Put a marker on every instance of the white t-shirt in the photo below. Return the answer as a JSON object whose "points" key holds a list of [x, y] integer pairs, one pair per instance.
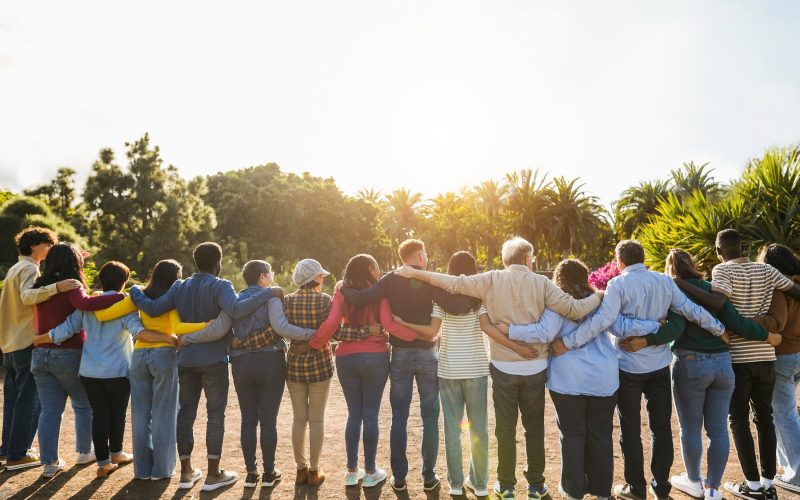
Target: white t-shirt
{"points": [[462, 346]]}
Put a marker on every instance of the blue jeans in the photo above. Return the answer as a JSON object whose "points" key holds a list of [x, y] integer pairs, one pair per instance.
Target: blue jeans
{"points": [[259, 379], [405, 366], [702, 384], [154, 402], [363, 378], [56, 374], [213, 380], [456, 394], [20, 404], [787, 421]]}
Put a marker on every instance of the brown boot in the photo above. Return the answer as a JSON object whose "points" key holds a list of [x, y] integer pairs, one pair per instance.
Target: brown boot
{"points": [[302, 476], [315, 478]]}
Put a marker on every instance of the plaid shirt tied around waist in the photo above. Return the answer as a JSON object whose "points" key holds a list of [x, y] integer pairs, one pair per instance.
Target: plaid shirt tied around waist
{"points": [[307, 308], [258, 340]]}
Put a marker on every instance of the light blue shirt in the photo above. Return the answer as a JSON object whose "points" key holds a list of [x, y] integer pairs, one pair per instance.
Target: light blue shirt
{"points": [[108, 346], [590, 370], [643, 294]]}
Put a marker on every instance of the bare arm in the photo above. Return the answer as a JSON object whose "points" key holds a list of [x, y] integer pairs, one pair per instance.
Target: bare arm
{"points": [[524, 350]]}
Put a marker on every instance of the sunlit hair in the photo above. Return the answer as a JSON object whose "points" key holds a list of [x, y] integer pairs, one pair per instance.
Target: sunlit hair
{"points": [[629, 252], [113, 275], [464, 263], [63, 262], [516, 250], [680, 264], [781, 258], [164, 274], [572, 276], [253, 270], [357, 274], [409, 248], [32, 236]]}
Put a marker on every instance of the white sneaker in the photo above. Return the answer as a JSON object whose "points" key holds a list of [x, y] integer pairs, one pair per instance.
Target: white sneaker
{"points": [[352, 478], [456, 492], [374, 479], [475, 491], [51, 470], [187, 480], [712, 494], [225, 478], [86, 458], [564, 494], [692, 488]]}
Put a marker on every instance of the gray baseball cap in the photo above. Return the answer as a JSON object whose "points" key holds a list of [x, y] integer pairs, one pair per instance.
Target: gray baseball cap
{"points": [[306, 270]]}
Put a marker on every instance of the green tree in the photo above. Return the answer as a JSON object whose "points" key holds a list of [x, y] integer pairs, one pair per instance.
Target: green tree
{"points": [[637, 205], [403, 217], [690, 178], [24, 211], [59, 193], [492, 195], [529, 195], [146, 212]]}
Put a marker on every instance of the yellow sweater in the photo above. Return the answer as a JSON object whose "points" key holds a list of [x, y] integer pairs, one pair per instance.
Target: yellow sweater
{"points": [[167, 323]]}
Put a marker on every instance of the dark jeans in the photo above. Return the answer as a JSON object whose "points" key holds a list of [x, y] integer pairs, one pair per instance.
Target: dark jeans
{"points": [[213, 380], [20, 404], [109, 400], [363, 378], [259, 379], [753, 389], [587, 450], [657, 390], [514, 395], [407, 365]]}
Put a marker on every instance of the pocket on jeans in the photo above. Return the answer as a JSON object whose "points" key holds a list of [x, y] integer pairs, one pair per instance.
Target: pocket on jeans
{"points": [[692, 366]]}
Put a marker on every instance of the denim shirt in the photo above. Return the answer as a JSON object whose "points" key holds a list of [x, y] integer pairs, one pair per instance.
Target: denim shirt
{"points": [[108, 345], [643, 294], [198, 299], [590, 370]]}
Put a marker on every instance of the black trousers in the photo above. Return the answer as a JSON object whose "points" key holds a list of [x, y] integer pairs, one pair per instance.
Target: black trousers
{"points": [[657, 391], [514, 395], [109, 400], [753, 389], [587, 450]]}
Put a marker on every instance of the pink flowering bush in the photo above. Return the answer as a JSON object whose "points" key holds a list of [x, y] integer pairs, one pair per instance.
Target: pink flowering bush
{"points": [[600, 277]]}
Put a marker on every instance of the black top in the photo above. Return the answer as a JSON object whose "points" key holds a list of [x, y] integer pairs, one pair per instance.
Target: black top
{"points": [[412, 300]]}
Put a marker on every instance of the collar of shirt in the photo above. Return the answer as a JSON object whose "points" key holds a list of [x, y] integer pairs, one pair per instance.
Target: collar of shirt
{"points": [[202, 275], [634, 268], [740, 260], [254, 288], [518, 267], [28, 258]]}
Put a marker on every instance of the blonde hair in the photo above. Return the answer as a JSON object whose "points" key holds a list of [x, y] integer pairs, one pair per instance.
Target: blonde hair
{"points": [[679, 264]]}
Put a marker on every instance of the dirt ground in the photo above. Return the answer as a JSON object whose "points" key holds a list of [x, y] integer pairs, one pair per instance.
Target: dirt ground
{"points": [[80, 482]]}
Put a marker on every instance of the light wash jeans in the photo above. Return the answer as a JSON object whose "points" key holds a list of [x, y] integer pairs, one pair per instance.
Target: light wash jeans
{"points": [[456, 394], [787, 421], [405, 366], [702, 385], [56, 375], [154, 410]]}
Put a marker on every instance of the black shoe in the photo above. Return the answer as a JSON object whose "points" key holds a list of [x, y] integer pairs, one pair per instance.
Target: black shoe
{"points": [[741, 490], [251, 481], [770, 493], [625, 491], [432, 484], [268, 480], [397, 485]]}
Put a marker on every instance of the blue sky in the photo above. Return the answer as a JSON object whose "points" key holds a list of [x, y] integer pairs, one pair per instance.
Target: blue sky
{"points": [[430, 95]]}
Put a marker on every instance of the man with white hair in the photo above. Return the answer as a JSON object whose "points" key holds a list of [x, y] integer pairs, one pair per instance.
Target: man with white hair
{"points": [[515, 295]]}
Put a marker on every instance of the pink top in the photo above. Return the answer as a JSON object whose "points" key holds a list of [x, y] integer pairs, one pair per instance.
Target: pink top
{"points": [[373, 343]]}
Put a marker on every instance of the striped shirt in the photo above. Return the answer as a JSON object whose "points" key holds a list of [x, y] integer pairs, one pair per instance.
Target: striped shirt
{"points": [[749, 285], [462, 348]]}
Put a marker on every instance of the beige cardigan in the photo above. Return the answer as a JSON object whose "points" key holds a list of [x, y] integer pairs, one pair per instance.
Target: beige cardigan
{"points": [[516, 295]]}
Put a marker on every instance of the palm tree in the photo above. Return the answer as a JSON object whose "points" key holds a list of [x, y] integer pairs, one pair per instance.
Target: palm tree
{"points": [[492, 195], [403, 214], [574, 217], [690, 178], [637, 205], [372, 196], [526, 205]]}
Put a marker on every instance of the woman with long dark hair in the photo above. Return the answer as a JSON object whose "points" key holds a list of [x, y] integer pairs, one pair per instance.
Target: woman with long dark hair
{"points": [[154, 377], [362, 363], [787, 372], [55, 366]]}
